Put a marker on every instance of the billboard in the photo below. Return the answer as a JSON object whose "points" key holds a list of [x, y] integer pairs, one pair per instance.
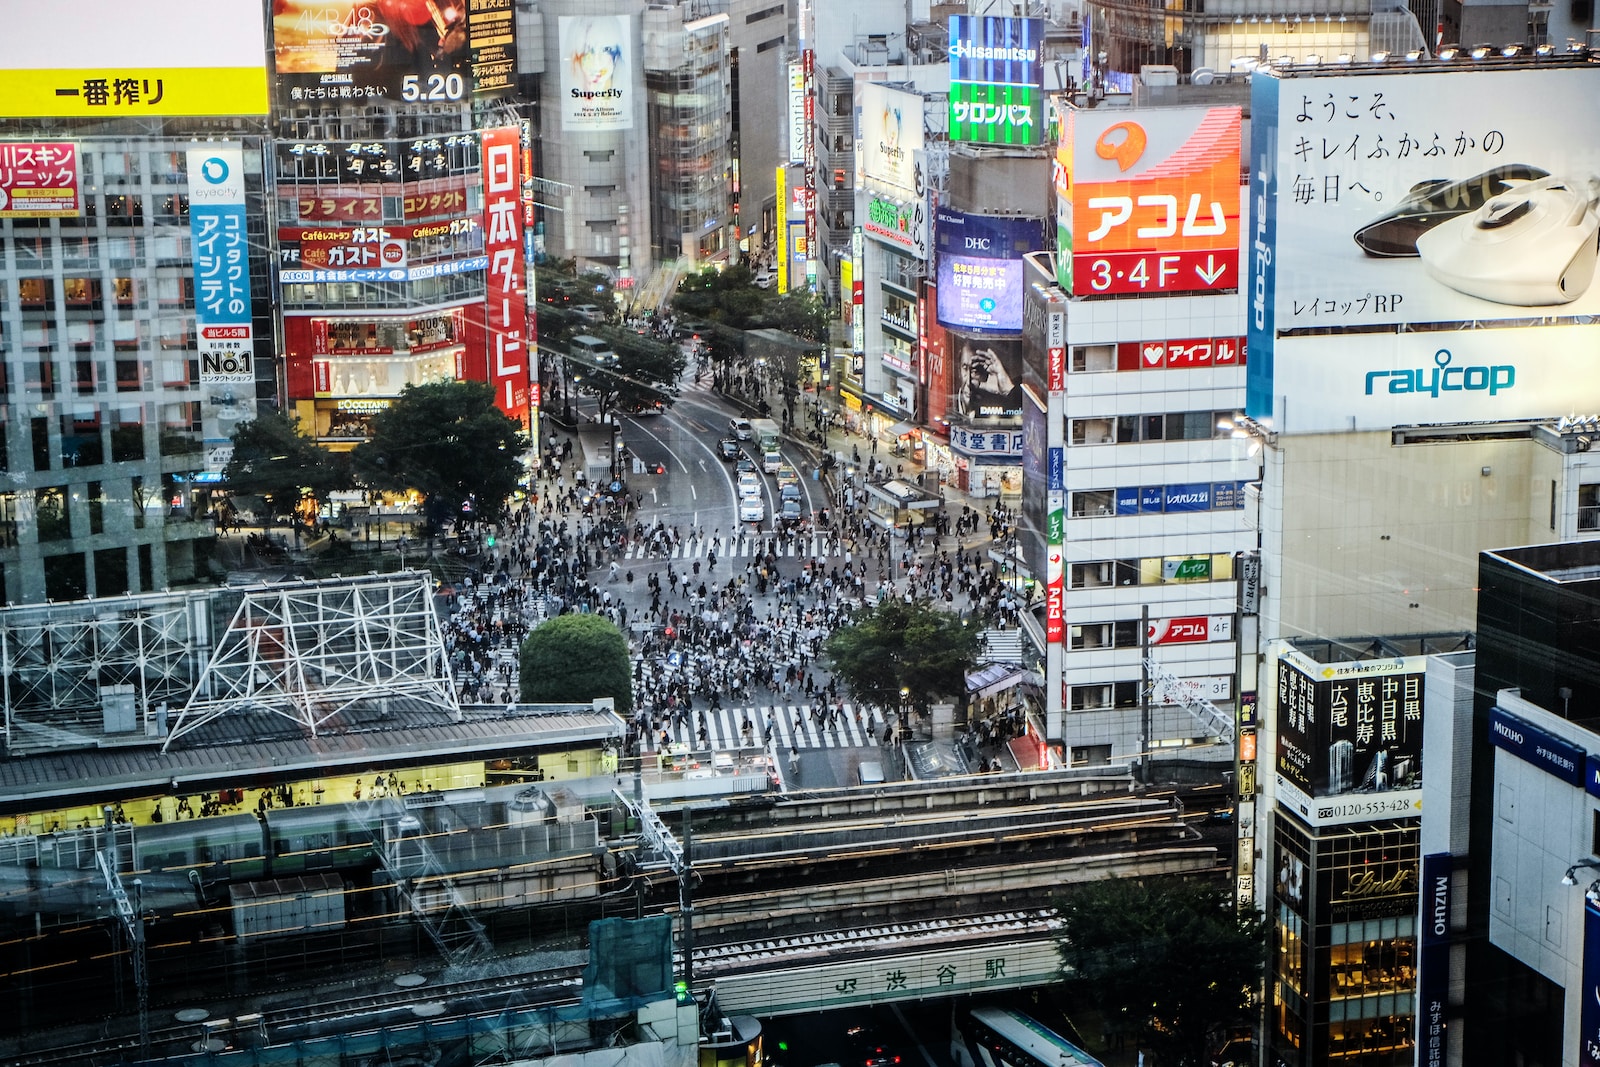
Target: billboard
{"points": [[996, 80], [1190, 629], [596, 72], [221, 264], [1326, 383], [1148, 205], [1352, 727], [39, 180], [891, 133], [1433, 199], [980, 272], [416, 51], [492, 36], [902, 223], [988, 378], [1182, 354], [507, 294], [112, 59]]}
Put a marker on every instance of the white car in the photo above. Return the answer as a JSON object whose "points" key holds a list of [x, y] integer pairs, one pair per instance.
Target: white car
{"points": [[739, 428], [749, 484], [751, 509]]}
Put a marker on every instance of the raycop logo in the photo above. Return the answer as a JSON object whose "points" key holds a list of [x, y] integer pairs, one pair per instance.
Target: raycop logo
{"points": [[1263, 255], [214, 170], [972, 50], [1444, 378]]}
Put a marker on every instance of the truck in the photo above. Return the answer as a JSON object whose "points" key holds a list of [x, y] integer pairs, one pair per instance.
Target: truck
{"points": [[765, 434]]}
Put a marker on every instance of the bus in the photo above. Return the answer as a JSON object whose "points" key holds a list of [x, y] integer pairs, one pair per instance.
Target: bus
{"points": [[1000, 1037], [765, 432]]}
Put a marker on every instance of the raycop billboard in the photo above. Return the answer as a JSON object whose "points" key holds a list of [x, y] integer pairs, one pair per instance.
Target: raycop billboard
{"points": [[980, 273], [1444, 219], [996, 80], [1148, 203]]}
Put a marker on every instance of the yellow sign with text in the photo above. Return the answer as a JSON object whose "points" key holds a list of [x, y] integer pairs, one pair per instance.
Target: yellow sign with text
{"points": [[134, 92]]}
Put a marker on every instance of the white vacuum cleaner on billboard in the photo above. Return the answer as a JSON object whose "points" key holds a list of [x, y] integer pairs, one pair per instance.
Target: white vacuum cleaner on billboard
{"points": [[1515, 235]]}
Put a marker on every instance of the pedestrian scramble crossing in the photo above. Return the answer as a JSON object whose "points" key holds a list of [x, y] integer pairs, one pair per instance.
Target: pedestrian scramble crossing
{"points": [[792, 727], [727, 546]]}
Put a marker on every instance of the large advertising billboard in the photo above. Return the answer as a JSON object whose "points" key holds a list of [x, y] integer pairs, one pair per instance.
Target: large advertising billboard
{"points": [[1149, 204], [1434, 201], [507, 293], [596, 72], [980, 271], [492, 36], [415, 51], [902, 223], [891, 132], [39, 180], [996, 80], [115, 59], [1352, 727], [988, 376], [221, 264]]}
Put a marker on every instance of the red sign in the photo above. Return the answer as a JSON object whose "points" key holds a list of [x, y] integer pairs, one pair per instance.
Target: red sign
{"points": [[360, 246], [1053, 627], [364, 204], [1058, 370], [1191, 629], [1181, 355], [39, 181], [502, 243], [1159, 221]]}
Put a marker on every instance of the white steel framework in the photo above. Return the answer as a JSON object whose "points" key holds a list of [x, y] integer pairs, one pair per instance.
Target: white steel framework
{"points": [[310, 650]]}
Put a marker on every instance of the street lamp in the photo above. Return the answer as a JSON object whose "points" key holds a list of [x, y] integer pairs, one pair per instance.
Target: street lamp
{"points": [[1570, 878]]}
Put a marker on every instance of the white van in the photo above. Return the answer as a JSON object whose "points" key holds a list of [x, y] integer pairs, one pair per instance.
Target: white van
{"points": [[870, 772]]}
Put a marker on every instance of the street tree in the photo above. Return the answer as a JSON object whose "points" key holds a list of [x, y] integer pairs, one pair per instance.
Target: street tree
{"points": [[447, 441], [572, 659], [275, 459], [646, 371], [1174, 959], [916, 650]]}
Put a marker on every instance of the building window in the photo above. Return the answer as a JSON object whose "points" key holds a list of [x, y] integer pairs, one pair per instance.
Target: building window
{"points": [[1124, 633], [1103, 696], [1105, 573], [1091, 755], [1093, 502], [51, 514], [1093, 359], [1588, 507]]}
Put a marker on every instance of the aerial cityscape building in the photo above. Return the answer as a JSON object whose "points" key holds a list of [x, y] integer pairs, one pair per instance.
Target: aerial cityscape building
{"points": [[1223, 375]]}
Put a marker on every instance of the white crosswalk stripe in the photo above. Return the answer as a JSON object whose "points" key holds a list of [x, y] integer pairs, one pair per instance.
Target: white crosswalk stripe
{"points": [[792, 727], [742, 547]]}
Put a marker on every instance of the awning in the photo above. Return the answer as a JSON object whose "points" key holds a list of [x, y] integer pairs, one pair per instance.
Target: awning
{"points": [[902, 429]]}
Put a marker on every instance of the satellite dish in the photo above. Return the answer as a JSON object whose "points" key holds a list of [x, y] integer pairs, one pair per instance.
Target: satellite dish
{"points": [[1203, 76]]}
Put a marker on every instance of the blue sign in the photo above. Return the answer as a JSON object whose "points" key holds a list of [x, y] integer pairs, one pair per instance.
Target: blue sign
{"points": [[1226, 496], [1150, 499], [1195, 497], [1260, 241], [1127, 501], [996, 50], [1539, 747], [674, 659], [1433, 962], [219, 238], [1058, 468], [1589, 1014], [1591, 784]]}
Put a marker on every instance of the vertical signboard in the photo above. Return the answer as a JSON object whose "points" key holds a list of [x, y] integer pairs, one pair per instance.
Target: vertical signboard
{"points": [[996, 80], [502, 243], [1589, 1014], [596, 72], [221, 264], [1433, 962], [809, 60], [782, 259], [39, 180], [1148, 205], [798, 130]]}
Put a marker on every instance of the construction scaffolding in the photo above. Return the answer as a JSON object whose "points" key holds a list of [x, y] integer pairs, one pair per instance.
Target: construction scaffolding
{"points": [[310, 650]]}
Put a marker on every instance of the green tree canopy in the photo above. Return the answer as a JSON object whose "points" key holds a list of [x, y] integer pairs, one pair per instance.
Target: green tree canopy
{"points": [[895, 645], [450, 443], [273, 458], [646, 371], [573, 659], [1173, 957]]}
